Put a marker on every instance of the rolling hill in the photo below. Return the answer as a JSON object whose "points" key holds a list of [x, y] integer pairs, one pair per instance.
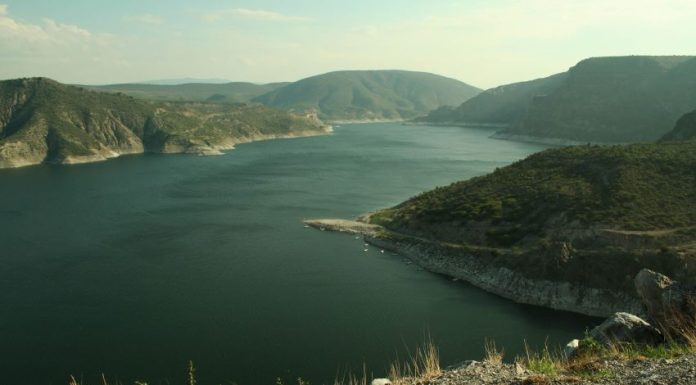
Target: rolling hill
{"points": [[505, 105], [599, 100], [235, 92], [369, 95], [44, 121]]}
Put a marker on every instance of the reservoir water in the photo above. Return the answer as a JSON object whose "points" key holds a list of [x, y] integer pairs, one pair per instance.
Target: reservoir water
{"points": [[134, 266]]}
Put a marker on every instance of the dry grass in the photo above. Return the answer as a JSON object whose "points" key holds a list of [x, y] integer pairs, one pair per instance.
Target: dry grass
{"points": [[493, 355], [679, 324], [191, 373], [424, 364], [352, 379]]}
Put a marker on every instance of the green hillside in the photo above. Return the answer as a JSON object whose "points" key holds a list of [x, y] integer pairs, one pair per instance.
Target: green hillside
{"points": [[600, 100], [504, 105], [370, 95], [684, 130], [621, 99], [589, 214], [44, 121], [235, 92]]}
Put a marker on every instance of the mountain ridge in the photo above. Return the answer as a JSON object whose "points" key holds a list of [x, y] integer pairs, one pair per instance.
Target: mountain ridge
{"points": [[43, 121], [619, 99], [369, 94]]}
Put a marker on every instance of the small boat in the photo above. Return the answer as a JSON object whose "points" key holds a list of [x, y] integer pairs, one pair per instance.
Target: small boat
{"points": [[381, 251], [365, 250], [306, 226]]}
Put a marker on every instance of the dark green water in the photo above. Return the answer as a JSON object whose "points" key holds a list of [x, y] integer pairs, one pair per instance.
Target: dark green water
{"points": [[134, 266]]}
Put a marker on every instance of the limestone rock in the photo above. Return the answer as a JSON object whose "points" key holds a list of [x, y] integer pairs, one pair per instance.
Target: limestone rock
{"points": [[651, 287], [625, 327], [667, 302], [571, 348]]}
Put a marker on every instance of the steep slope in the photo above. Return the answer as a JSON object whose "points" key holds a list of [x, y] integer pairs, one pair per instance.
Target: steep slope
{"points": [[616, 99], [505, 105], [370, 95], [684, 130], [235, 92], [600, 100], [44, 121]]}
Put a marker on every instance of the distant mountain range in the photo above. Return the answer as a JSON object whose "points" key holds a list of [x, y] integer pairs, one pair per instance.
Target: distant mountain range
{"points": [[370, 95], [174, 82], [42, 120], [343, 95], [236, 92], [602, 100]]}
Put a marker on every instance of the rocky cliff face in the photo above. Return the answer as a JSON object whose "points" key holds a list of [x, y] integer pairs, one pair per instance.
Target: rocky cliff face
{"points": [[510, 284], [44, 121]]}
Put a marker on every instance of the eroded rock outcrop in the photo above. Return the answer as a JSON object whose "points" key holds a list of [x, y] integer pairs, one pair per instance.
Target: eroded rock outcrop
{"points": [[626, 327], [669, 305]]}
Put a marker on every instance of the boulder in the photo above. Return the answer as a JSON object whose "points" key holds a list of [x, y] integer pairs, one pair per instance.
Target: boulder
{"points": [[571, 348], [651, 288], [625, 327], [668, 304]]}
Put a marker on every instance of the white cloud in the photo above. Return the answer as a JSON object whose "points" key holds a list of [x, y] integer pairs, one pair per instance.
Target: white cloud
{"points": [[14, 32], [51, 48], [255, 14], [146, 18]]}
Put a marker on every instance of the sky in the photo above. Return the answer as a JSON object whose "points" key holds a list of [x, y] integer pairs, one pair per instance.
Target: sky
{"points": [[483, 43]]}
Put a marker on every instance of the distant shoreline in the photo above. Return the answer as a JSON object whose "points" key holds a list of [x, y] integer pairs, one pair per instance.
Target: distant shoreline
{"points": [[201, 150], [362, 121], [546, 140]]}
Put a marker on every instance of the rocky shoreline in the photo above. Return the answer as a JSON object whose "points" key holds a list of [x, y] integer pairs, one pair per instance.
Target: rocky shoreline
{"points": [[203, 149], [443, 259], [625, 349]]}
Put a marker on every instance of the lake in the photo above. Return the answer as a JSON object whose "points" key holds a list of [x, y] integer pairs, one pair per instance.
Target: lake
{"points": [[134, 266]]}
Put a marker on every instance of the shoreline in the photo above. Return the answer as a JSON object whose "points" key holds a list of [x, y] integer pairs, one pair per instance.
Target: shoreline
{"points": [[444, 259], [190, 149], [546, 140], [457, 124], [365, 121], [502, 135]]}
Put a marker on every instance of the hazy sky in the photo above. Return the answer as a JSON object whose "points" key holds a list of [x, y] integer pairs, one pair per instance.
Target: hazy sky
{"points": [[484, 43]]}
